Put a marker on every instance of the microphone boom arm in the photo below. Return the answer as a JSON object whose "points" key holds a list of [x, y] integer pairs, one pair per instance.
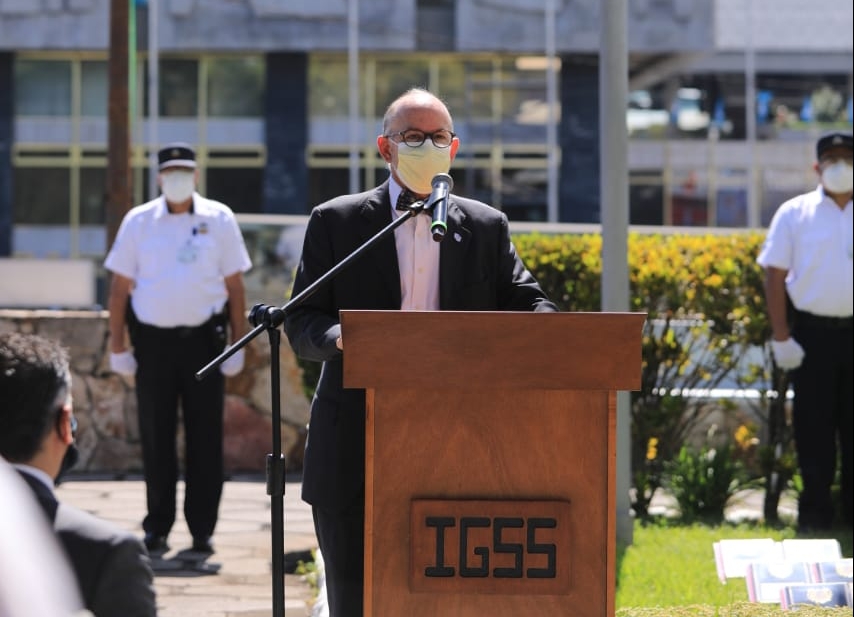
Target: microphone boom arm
{"points": [[274, 317], [269, 318]]}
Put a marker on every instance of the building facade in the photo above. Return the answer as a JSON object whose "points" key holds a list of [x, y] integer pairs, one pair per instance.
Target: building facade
{"points": [[284, 101]]}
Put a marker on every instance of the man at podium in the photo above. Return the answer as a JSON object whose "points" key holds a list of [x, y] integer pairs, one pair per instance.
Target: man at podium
{"points": [[471, 265]]}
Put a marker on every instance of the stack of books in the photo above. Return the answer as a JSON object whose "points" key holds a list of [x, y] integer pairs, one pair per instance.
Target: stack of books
{"points": [[792, 572]]}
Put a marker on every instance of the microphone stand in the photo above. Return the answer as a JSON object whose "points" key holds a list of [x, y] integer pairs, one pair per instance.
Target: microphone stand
{"points": [[269, 318]]}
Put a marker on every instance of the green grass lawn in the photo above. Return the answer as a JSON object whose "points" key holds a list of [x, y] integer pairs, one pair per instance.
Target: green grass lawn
{"points": [[734, 610], [669, 571]]}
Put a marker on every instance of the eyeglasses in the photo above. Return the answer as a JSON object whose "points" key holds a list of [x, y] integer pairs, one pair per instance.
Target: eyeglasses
{"points": [[73, 427], [414, 138]]}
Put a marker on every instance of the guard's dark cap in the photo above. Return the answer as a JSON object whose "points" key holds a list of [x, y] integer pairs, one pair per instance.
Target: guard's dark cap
{"points": [[176, 155], [835, 139]]}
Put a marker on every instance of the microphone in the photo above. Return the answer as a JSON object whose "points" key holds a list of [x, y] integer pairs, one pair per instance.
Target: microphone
{"points": [[442, 185]]}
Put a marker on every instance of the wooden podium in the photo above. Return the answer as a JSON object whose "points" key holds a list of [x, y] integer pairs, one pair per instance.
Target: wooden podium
{"points": [[490, 459]]}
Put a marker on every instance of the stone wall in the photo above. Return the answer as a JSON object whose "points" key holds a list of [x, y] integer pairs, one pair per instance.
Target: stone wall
{"points": [[105, 403]]}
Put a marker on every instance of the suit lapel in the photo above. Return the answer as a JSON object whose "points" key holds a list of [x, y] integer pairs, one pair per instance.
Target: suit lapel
{"points": [[452, 256], [44, 495], [375, 215]]}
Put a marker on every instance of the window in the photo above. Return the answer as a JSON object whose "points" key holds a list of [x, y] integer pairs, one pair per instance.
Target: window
{"points": [[326, 94], [93, 195], [236, 87], [179, 88], [94, 90], [646, 198], [731, 207], [326, 183], [41, 195], [240, 188], [467, 90], [398, 76], [43, 88]]}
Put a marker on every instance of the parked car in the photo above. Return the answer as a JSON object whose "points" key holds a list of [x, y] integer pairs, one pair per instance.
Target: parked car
{"points": [[687, 113], [642, 116]]}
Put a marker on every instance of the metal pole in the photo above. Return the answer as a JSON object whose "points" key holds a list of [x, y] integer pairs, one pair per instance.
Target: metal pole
{"points": [[276, 470], [551, 120], [153, 97], [613, 183], [750, 119], [74, 172], [353, 81]]}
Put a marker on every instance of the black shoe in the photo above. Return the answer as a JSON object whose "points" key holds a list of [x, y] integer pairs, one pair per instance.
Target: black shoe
{"points": [[203, 545], [155, 544]]}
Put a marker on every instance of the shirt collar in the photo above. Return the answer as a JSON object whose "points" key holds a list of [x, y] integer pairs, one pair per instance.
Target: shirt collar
{"points": [[824, 196], [394, 191], [37, 473], [162, 209]]}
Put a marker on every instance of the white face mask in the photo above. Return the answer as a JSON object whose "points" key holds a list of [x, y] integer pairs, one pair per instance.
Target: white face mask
{"points": [[838, 178], [416, 167], [178, 186]]}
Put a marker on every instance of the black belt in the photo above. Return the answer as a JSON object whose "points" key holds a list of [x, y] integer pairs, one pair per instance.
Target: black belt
{"points": [[821, 321], [181, 331]]}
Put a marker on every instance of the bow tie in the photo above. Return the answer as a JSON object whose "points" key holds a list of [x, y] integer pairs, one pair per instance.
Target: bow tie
{"points": [[405, 200]]}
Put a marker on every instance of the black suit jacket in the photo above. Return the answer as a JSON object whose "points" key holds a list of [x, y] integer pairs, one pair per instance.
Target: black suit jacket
{"points": [[112, 566], [479, 270]]}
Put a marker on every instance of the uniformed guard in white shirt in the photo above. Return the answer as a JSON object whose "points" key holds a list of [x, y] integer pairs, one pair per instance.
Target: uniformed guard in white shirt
{"points": [[177, 289], [807, 258]]}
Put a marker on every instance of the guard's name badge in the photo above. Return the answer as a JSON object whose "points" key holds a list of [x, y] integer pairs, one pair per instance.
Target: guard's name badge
{"points": [[490, 546], [188, 252]]}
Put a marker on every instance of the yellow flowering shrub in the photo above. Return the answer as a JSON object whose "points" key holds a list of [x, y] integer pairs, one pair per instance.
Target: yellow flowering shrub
{"points": [[704, 300]]}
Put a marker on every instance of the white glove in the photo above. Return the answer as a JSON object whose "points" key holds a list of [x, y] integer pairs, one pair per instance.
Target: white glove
{"points": [[788, 354], [123, 363], [233, 364]]}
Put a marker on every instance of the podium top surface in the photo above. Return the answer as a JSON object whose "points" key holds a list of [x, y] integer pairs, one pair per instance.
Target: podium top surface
{"points": [[492, 349]]}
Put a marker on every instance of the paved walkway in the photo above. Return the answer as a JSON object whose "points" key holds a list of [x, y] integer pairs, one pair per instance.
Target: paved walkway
{"points": [[744, 506], [237, 580]]}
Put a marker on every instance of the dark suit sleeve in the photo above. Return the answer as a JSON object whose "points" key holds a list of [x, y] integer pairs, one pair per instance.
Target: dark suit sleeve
{"points": [[112, 566], [518, 290], [313, 326], [125, 587]]}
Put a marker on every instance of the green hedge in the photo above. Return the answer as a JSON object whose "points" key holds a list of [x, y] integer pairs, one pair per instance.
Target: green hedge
{"points": [[704, 298], [712, 276]]}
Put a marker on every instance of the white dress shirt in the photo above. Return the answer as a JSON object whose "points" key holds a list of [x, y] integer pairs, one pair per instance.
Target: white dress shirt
{"points": [[417, 258]]}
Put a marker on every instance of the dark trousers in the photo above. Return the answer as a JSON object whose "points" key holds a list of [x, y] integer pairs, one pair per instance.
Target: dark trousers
{"points": [[822, 420], [167, 360], [340, 536]]}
